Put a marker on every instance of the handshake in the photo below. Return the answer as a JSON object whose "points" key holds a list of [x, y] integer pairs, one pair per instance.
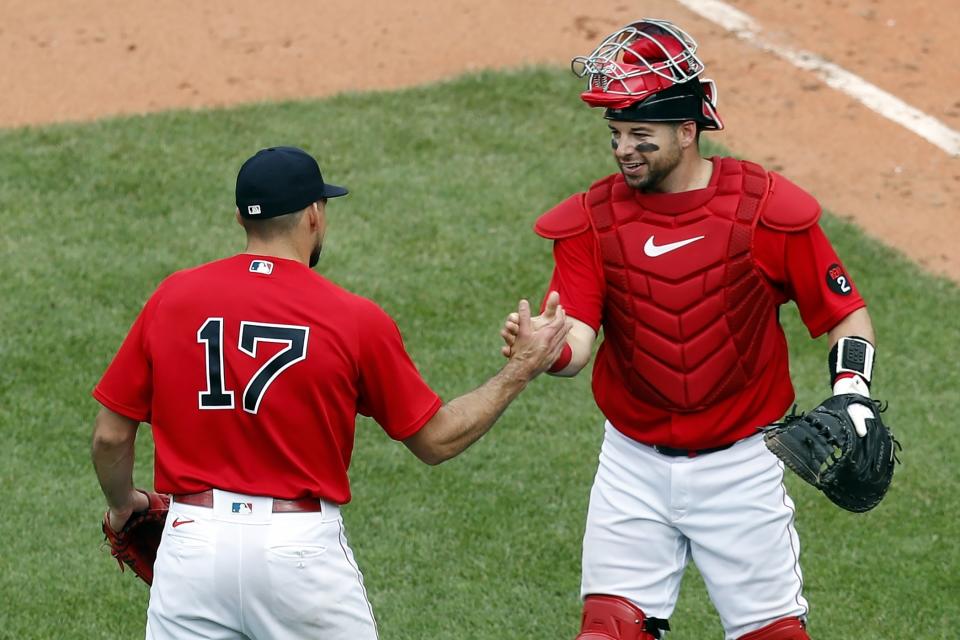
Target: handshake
{"points": [[536, 344]]}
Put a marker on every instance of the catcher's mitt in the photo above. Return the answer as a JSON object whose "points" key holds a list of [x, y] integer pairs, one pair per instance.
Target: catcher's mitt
{"points": [[136, 543], [823, 448]]}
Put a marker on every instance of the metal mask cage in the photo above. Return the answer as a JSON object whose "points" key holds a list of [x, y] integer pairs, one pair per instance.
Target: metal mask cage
{"points": [[606, 64]]}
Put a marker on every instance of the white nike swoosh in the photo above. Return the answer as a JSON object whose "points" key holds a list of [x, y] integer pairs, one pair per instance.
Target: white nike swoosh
{"points": [[653, 250]]}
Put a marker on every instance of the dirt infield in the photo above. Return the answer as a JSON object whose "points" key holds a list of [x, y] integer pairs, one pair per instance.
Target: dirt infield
{"points": [[69, 60]]}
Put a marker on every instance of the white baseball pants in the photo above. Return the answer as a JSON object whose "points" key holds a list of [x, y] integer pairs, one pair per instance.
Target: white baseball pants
{"points": [[728, 510], [244, 572]]}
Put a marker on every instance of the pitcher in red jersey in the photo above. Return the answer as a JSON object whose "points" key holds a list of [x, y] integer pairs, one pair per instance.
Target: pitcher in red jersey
{"points": [[251, 371], [684, 261]]}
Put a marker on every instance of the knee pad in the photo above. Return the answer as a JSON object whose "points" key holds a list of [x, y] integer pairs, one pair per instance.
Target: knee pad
{"points": [[784, 629], [614, 618]]}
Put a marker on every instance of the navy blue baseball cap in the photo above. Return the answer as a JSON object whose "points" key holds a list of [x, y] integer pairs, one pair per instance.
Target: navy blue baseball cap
{"points": [[281, 180]]}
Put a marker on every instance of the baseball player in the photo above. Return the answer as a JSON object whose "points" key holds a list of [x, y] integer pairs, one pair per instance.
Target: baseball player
{"points": [[684, 261], [251, 371]]}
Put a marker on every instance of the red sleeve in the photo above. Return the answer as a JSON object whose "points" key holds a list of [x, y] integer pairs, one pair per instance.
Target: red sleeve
{"points": [[578, 277], [127, 385], [805, 267], [392, 392]]}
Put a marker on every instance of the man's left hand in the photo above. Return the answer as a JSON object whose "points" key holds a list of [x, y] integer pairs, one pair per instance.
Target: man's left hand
{"points": [[859, 413]]}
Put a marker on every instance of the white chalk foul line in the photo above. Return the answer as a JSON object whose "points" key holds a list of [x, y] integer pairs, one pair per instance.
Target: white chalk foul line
{"points": [[873, 97]]}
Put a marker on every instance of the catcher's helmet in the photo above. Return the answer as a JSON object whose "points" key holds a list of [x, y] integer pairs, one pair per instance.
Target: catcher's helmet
{"points": [[649, 71]]}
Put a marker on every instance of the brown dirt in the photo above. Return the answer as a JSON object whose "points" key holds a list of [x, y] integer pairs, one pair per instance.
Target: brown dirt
{"points": [[67, 60]]}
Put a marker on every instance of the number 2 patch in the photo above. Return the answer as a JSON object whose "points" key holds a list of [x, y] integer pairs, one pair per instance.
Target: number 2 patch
{"points": [[838, 280]]}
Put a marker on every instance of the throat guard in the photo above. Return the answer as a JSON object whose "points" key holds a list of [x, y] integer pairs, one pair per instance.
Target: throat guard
{"points": [[689, 318]]}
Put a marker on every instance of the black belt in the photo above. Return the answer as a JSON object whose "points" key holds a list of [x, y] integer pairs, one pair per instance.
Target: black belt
{"points": [[688, 453]]}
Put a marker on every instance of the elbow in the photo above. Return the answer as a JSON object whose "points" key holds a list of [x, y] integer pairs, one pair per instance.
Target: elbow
{"points": [[111, 432], [435, 454], [107, 441], [440, 435], [428, 450], [436, 441]]}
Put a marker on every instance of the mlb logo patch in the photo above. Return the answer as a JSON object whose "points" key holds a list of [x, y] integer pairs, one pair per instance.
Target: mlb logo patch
{"points": [[243, 508], [253, 210], [261, 266]]}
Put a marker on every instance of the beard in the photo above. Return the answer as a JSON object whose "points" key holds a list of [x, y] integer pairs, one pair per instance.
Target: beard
{"points": [[658, 168], [315, 254]]}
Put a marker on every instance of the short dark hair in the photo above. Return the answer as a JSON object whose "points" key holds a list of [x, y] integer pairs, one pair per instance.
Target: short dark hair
{"points": [[271, 228]]}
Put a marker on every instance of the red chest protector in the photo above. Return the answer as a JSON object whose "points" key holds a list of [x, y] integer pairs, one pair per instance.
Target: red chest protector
{"points": [[688, 317], [687, 314]]}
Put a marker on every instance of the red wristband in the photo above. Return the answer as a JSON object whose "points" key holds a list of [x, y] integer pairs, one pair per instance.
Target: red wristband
{"points": [[845, 374], [566, 355]]}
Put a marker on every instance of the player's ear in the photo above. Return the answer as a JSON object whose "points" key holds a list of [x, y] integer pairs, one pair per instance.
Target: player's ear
{"points": [[687, 133], [313, 216], [238, 218]]}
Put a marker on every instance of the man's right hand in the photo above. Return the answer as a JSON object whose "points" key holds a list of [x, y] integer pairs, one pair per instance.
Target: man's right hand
{"points": [[463, 420], [118, 516], [534, 343], [511, 325]]}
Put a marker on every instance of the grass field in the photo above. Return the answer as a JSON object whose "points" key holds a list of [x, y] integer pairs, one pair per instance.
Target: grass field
{"points": [[445, 181]]}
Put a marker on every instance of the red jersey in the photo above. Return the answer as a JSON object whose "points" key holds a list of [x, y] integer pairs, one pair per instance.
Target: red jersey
{"points": [[252, 370], [797, 265]]}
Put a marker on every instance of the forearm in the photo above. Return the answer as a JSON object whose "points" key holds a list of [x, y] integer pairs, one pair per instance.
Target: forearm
{"points": [[579, 357], [464, 420], [461, 422], [112, 451], [850, 360], [856, 324], [580, 339]]}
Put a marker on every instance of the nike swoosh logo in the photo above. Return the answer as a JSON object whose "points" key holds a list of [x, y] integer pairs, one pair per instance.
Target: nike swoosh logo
{"points": [[654, 250], [178, 522]]}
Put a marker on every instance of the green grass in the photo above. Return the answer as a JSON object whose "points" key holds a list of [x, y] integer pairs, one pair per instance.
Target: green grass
{"points": [[446, 181]]}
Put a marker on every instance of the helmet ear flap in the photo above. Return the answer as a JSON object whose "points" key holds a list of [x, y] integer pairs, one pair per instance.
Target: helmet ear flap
{"points": [[710, 102]]}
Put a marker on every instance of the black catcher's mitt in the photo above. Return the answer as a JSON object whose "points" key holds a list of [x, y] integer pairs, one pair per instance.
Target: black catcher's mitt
{"points": [[823, 448], [136, 543]]}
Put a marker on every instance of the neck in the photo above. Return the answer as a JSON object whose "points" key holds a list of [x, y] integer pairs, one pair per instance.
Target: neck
{"points": [[277, 249], [693, 172]]}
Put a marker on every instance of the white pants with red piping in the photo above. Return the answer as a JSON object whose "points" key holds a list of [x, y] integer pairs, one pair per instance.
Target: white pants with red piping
{"points": [[240, 571], [728, 511]]}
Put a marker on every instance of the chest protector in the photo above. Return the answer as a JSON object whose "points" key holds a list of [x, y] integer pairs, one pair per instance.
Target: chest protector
{"points": [[688, 317]]}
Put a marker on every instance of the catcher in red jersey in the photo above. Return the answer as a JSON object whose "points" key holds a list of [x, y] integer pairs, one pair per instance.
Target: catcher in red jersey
{"points": [[251, 371], [684, 262]]}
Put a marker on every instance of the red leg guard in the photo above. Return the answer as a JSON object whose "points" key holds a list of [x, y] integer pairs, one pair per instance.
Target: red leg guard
{"points": [[785, 629], [615, 618]]}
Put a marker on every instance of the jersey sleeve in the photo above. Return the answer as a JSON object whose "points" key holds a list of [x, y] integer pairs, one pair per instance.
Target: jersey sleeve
{"points": [[805, 267], [392, 391], [578, 277], [127, 385]]}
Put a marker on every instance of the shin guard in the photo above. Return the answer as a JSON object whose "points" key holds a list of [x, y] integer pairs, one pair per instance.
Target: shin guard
{"points": [[614, 618], [785, 629]]}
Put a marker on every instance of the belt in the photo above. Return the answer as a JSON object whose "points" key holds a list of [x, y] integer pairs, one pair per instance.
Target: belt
{"points": [[205, 499], [688, 453]]}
